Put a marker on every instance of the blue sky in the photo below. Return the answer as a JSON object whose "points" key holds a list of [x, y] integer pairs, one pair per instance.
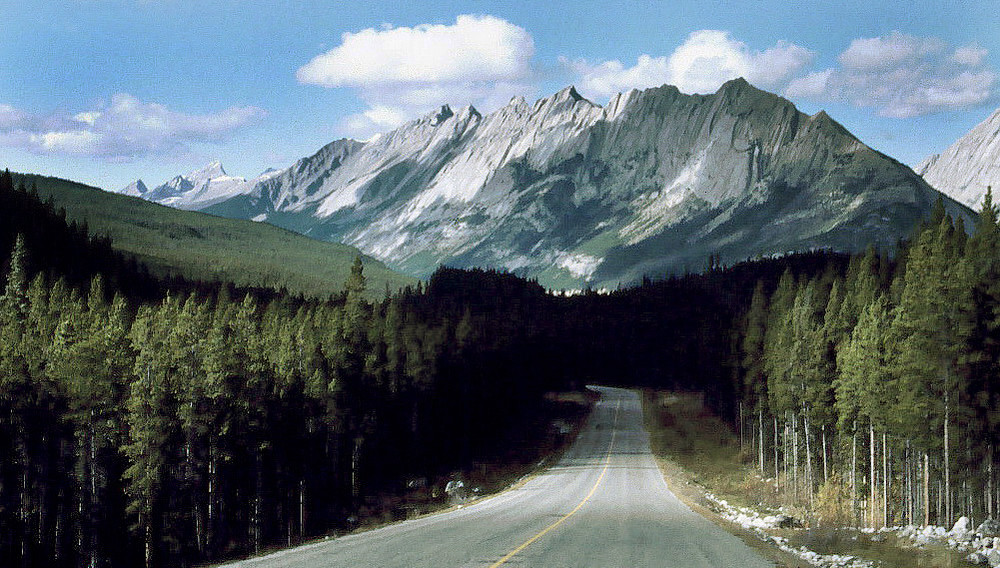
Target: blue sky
{"points": [[106, 91]]}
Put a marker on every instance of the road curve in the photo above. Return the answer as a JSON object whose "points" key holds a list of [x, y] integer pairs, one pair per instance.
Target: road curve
{"points": [[605, 504]]}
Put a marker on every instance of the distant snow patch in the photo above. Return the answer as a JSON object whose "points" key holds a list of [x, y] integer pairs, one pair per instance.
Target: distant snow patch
{"points": [[580, 265]]}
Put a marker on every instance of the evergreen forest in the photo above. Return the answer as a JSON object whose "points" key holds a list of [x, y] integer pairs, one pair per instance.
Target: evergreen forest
{"points": [[153, 421]]}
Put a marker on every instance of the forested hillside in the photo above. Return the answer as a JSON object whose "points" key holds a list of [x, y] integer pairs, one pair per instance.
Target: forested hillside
{"points": [[63, 248], [203, 247]]}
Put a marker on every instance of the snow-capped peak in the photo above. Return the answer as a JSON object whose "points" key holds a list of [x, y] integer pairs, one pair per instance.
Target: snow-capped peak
{"points": [[135, 189], [212, 170], [199, 189], [517, 101]]}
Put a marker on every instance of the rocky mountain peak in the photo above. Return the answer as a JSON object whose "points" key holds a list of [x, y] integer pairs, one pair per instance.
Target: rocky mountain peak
{"points": [[213, 169], [735, 86], [569, 94], [442, 114], [970, 165]]}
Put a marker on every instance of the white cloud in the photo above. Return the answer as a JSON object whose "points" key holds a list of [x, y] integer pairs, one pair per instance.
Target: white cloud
{"points": [[474, 48], [887, 52], [401, 73], [10, 116], [971, 55], [125, 128], [377, 117], [70, 142], [812, 85], [88, 117], [902, 76], [706, 60]]}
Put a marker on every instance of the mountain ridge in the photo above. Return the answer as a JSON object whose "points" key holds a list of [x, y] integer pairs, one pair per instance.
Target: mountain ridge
{"points": [[574, 193]]}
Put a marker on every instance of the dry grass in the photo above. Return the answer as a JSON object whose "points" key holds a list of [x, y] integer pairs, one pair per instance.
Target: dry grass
{"points": [[695, 450], [683, 430]]}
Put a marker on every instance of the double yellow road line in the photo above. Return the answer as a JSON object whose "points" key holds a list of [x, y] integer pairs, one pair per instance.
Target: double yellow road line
{"points": [[543, 532]]}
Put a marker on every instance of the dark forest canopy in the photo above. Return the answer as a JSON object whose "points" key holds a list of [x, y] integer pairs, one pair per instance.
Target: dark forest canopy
{"points": [[165, 423]]}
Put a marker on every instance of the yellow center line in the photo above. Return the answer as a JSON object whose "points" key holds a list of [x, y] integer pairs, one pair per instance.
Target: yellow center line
{"points": [[607, 462]]}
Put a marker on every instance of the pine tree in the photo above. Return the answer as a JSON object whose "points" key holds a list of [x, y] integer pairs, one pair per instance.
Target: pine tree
{"points": [[14, 302]]}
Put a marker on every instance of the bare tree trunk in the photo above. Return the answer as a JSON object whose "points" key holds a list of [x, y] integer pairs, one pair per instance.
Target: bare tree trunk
{"points": [[355, 463], [909, 483], [760, 439], [854, 473], [871, 471], [210, 522], [989, 481], [149, 544], [776, 477], [58, 528], [885, 481], [825, 470], [927, 490], [940, 504], [742, 444], [947, 465], [92, 474], [258, 497], [809, 467], [786, 457], [302, 508], [795, 457]]}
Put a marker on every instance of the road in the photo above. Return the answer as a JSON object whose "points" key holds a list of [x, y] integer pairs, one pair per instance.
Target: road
{"points": [[605, 504]]}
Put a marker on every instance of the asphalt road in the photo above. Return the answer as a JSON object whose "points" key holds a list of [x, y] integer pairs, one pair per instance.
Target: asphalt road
{"points": [[605, 504]]}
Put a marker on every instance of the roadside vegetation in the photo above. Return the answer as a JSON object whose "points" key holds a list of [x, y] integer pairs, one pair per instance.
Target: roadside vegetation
{"points": [[704, 463]]}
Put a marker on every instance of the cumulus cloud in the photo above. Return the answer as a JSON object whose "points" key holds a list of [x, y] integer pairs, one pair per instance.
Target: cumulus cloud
{"points": [[125, 128], [474, 48], [402, 72], [701, 64], [902, 76]]}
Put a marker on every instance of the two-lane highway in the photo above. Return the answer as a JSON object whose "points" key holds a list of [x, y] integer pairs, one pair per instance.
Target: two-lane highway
{"points": [[605, 504]]}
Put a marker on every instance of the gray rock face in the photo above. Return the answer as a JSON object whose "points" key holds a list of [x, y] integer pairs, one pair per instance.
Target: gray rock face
{"points": [[968, 166], [135, 189], [577, 194]]}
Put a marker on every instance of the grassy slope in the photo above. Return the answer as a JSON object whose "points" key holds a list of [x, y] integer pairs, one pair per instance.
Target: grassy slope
{"points": [[205, 247]]}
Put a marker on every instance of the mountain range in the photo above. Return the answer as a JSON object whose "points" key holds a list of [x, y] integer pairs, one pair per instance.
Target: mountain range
{"points": [[576, 194]]}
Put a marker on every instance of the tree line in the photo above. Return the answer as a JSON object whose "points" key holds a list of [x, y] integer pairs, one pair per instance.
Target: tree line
{"points": [[869, 394]]}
